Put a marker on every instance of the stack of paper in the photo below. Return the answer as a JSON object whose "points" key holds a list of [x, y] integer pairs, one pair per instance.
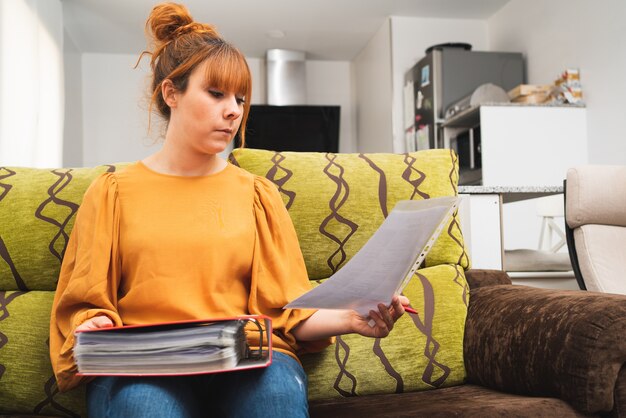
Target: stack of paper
{"points": [[387, 261], [162, 349]]}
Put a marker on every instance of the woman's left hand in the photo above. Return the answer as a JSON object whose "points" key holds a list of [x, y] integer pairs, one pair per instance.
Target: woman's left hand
{"points": [[384, 319]]}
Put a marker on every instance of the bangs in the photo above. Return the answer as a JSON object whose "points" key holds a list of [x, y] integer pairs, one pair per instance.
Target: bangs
{"points": [[228, 70]]}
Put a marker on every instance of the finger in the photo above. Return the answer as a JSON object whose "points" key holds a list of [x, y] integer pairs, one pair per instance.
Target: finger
{"points": [[404, 300], [398, 308], [95, 323], [384, 312], [380, 323], [102, 322], [83, 326], [88, 324], [386, 315]]}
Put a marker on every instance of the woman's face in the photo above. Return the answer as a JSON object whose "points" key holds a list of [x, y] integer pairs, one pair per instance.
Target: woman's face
{"points": [[205, 118]]}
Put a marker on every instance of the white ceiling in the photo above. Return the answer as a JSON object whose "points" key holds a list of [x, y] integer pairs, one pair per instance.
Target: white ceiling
{"points": [[324, 29]]}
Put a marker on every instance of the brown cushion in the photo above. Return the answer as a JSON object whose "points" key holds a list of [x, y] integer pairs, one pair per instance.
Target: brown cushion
{"points": [[619, 409], [543, 342], [467, 401], [484, 277]]}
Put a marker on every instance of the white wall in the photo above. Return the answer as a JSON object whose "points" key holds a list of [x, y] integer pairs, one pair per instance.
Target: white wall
{"points": [[73, 124], [31, 83], [257, 69], [329, 83], [373, 80], [589, 35], [115, 109], [409, 39], [115, 104]]}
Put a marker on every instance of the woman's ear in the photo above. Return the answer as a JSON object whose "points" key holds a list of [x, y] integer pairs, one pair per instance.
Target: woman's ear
{"points": [[169, 93]]}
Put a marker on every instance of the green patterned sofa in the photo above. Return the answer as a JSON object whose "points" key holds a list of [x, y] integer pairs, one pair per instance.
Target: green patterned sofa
{"points": [[502, 351]]}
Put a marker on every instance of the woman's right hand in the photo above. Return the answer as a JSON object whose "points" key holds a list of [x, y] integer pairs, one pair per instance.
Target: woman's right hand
{"points": [[95, 322]]}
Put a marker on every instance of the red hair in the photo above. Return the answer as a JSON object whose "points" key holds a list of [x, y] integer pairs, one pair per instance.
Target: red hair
{"points": [[180, 45]]}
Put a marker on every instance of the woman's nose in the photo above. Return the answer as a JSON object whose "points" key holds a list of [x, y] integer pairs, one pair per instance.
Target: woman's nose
{"points": [[233, 109]]}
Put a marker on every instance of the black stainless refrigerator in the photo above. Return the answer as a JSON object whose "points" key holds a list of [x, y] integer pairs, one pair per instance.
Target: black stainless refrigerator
{"points": [[447, 74]]}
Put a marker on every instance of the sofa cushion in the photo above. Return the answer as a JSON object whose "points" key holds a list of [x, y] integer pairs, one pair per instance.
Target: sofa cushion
{"points": [[27, 384], [37, 211], [467, 401], [423, 351], [337, 201]]}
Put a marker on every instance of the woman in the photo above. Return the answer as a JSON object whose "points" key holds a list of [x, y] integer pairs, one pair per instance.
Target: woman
{"points": [[183, 234]]}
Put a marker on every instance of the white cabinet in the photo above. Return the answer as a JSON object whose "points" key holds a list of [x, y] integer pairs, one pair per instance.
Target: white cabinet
{"points": [[480, 218], [531, 145], [522, 145]]}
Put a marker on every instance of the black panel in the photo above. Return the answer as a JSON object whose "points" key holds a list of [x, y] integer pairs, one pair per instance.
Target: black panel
{"points": [[293, 128]]}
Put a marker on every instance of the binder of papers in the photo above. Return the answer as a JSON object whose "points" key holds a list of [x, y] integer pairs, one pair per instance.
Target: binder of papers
{"points": [[176, 348]]}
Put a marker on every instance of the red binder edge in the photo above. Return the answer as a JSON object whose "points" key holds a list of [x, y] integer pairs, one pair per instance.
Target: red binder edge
{"points": [[248, 364]]}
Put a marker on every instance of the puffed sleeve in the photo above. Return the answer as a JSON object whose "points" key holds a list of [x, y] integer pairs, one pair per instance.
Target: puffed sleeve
{"points": [[278, 272], [89, 277]]}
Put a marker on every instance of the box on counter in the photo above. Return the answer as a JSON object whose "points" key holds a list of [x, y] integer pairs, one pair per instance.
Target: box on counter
{"points": [[535, 98], [570, 77], [530, 93], [526, 89], [568, 86]]}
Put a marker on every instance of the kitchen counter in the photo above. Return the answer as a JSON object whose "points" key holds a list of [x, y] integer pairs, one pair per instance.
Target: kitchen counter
{"points": [[512, 193], [471, 115]]}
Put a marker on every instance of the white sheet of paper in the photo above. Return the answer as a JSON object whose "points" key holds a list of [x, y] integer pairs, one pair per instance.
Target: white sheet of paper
{"points": [[387, 260]]}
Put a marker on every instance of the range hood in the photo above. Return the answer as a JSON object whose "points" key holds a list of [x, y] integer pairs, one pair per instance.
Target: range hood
{"points": [[286, 77], [287, 122]]}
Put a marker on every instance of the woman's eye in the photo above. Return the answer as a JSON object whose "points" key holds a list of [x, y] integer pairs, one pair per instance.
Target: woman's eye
{"points": [[241, 100], [216, 93]]}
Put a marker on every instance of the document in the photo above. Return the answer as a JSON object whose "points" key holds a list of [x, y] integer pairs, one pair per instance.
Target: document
{"points": [[185, 347], [387, 261]]}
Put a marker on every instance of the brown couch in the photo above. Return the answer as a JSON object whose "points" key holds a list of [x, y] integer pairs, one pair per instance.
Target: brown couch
{"points": [[528, 352]]}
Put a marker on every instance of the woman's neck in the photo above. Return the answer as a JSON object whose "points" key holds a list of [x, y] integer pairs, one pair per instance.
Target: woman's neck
{"points": [[173, 160]]}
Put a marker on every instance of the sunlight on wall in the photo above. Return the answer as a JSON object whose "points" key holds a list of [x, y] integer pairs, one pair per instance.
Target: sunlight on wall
{"points": [[31, 83]]}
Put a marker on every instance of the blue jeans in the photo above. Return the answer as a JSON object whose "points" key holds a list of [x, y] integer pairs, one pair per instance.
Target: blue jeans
{"points": [[279, 390]]}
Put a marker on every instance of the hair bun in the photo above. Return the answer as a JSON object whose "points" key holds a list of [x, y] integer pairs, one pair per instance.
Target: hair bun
{"points": [[167, 20]]}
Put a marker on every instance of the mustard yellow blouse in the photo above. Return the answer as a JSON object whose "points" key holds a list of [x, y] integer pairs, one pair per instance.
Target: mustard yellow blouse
{"points": [[149, 247]]}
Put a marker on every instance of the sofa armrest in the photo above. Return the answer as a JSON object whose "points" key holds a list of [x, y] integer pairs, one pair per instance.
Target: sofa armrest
{"points": [[559, 343], [483, 277]]}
